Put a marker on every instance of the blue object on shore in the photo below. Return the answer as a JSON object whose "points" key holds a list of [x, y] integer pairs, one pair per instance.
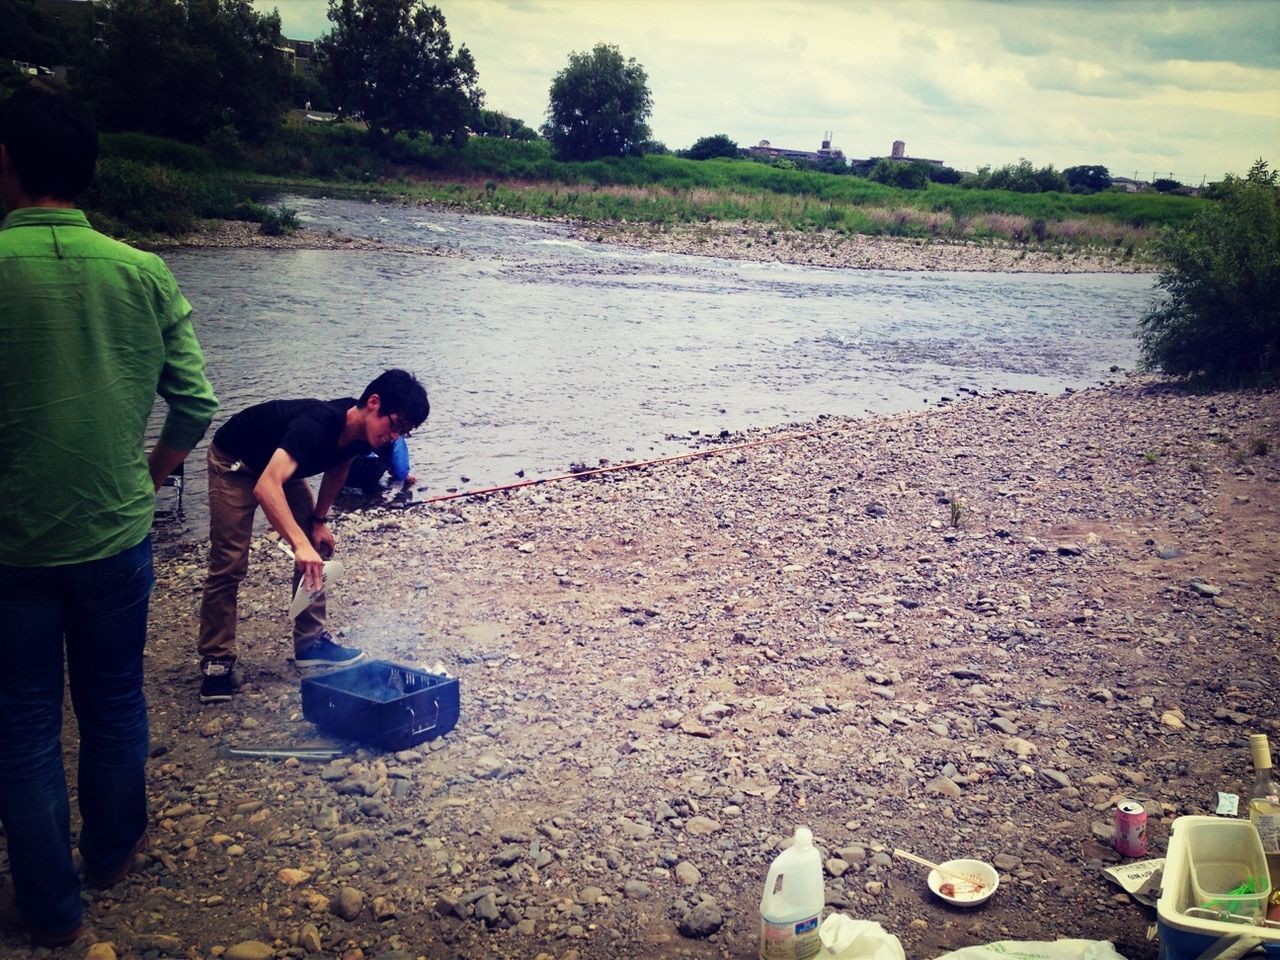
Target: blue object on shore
{"points": [[383, 704]]}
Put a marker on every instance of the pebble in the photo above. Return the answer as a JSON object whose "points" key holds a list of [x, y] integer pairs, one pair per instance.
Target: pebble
{"points": [[249, 950]]}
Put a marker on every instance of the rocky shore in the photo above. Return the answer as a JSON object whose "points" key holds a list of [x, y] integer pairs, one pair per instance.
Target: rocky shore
{"points": [[961, 632], [825, 248], [733, 241]]}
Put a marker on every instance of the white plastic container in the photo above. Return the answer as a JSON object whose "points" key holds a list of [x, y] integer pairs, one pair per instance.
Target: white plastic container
{"points": [[792, 902], [1223, 855], [1185, 930]]}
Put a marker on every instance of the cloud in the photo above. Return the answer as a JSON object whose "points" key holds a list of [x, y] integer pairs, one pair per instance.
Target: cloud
{"points": [[970, 81]]}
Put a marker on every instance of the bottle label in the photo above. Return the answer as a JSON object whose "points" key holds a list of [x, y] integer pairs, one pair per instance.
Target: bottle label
{"points": [[1268, 825], [794, 940]]}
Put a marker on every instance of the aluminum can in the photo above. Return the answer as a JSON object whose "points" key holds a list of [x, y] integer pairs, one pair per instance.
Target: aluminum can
{"points": [[1131, 829]]}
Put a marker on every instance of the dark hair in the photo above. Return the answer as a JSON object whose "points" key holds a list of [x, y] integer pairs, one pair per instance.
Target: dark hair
{"points": [[51, 141], [399, 392]]}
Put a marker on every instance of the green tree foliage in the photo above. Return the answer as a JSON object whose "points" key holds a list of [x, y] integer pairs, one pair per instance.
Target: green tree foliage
{"points": [[30, 35], [492, 123], [1221, 315], [717, 145], [1165, 185], [392, 62], [599, 106], [1090, 178], [185, 68], [943, 174], [1021, 177], [905, 174]]}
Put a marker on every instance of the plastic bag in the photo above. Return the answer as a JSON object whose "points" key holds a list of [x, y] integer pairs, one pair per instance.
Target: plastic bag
{"points": [[847, 939], [1037, 950]]}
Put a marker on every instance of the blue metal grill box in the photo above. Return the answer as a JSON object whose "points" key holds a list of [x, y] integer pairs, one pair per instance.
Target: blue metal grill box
{"points": [[382, 703]]}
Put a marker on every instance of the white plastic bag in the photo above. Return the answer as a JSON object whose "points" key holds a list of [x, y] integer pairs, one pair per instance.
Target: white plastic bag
{"points": [[847, 939], [1037, 950]]}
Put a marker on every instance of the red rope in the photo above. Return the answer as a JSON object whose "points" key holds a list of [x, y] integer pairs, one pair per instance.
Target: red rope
{"points": [[625, 466]]}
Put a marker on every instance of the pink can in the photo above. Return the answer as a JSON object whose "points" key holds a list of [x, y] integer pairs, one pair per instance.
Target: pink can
{"points": [[1131, 829]]}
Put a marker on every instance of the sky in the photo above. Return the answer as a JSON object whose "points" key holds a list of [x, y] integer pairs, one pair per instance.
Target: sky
{"points": [[1179, 88]]}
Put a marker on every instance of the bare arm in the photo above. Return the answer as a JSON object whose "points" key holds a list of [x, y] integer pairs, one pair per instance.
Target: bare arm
{"points": [[163, 461], [269, 492], [330, 484]]}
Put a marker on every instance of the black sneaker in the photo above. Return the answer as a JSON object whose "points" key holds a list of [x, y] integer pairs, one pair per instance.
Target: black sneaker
{"points": [[217, 681], [324, 654]]}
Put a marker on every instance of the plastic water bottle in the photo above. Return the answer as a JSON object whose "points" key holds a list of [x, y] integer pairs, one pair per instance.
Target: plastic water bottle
{"points": [[791, 905]]}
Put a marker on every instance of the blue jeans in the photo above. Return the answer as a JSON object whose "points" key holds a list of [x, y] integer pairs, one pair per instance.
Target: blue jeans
{"points": [[99, 609]]}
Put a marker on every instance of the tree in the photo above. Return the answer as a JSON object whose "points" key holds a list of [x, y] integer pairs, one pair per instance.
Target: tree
{"points": [[905, 174], [392, 62], [185, 68], [1221, 315], [599, 106], [1165, 185], [492, 123], [30, 35], [718, 145], [1087, 179]]}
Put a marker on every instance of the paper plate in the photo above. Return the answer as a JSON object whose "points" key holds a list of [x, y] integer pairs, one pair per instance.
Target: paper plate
{"points": [[949, 885]]}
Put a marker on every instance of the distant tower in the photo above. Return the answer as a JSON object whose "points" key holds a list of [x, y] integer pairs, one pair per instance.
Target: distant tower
{"points": [[899, 150], [826, 143]]}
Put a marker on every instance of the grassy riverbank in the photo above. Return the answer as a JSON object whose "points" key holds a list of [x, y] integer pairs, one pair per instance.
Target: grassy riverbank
{"points": [[149, 185]]}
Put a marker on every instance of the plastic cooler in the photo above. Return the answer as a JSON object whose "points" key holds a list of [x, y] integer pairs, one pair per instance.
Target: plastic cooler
{"points": [[1218, 851], [382, 703]]}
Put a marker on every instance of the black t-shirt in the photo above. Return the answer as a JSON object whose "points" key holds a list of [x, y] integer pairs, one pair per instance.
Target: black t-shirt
{"points": [[308, 430]]}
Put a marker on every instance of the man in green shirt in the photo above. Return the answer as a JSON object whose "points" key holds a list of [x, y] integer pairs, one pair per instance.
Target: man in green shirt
{"points": [[90, 331]]}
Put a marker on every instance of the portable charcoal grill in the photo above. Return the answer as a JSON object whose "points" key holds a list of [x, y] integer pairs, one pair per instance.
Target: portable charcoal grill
{"points": [[383, 704]]}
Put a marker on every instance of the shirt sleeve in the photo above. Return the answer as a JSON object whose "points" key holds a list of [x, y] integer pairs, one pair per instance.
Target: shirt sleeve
{"points": [[399, 460], [183, 383], [305, 439]]}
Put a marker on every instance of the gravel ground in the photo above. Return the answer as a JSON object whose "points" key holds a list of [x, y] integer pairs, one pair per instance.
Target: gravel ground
{"points": [[966, 631]]}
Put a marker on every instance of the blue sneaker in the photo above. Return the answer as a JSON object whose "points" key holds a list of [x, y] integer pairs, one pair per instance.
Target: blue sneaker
{"points": [[324, 654]]}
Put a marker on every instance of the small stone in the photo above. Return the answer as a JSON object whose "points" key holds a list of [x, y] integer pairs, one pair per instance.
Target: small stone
{"points": [[702, 921], [249, 950], [701, 826], [348, 903], [943, 786], [291, 876], [102, 950], [1172, 720], [309, 938], [637, 890], [687, 874]]}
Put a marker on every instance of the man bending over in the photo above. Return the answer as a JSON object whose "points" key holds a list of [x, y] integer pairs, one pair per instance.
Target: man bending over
{"points": [[260, 457]]}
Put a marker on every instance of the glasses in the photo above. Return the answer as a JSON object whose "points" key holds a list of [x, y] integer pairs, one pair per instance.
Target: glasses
{"points": [[401, 427]]}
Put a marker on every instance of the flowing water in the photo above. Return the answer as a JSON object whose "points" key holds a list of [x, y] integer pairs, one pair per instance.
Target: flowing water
{"points": [[539, 350]]}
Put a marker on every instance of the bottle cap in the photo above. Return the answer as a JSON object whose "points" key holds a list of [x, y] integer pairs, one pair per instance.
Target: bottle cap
{"points": [[804, 836], [1261, 751]]}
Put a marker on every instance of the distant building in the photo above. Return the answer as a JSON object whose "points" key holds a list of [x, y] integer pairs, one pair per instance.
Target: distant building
{"points": [[824, 153], [1129, 185], [898, 154], [300, 55]]}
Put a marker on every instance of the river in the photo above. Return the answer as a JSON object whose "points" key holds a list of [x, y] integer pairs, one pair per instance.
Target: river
{"points": [[539, 350]]}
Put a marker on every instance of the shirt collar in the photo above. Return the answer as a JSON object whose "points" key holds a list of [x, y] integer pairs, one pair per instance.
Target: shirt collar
{"points": [[45, 217]]}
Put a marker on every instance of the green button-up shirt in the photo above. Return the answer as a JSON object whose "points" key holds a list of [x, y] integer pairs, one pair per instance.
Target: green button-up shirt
{"points": [[90, 331]]}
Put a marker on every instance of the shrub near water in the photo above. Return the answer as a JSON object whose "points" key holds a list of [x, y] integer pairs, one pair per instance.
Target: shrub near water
{"points": [[1221, 316]]}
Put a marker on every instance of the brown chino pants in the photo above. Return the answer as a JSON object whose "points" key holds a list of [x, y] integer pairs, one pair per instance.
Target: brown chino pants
{"points": [[232, 506]]}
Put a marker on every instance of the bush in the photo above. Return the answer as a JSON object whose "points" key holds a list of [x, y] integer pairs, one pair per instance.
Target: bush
{"points": [[906, 175], [156, 151], [1221, 315]]}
